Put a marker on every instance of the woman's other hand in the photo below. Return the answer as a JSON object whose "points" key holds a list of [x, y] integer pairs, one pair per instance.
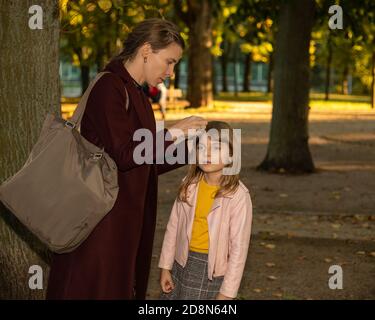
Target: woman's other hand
{"points": [[182, 126]]}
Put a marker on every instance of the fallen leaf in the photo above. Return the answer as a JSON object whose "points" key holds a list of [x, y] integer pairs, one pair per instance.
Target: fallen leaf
{"points": [[270, 246], [372, 254], [361, 253], [270, 264], [283, 195], [277, 294], [272, 278], [335, 225], [365, 225], [257, 290], [328, 260]]}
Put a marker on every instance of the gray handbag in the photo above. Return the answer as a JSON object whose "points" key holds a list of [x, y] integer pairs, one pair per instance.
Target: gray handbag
{"points": [[67, 184]]}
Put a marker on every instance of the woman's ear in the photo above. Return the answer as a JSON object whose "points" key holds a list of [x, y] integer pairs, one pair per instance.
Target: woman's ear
{"points": [[145, 50]]}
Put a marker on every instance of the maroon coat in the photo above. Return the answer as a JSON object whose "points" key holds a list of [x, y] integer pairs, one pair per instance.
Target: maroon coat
{"points": [[114, 262]]}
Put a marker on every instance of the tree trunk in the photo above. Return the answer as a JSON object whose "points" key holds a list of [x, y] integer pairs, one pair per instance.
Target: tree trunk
{"points": [[344, 83], [199, 91], [235, 74], [288, 148], [269, 74], [177, 76], [85, 77], [373, 81], [328, 69], [29, 89], [247, 73], [214, 88], [224, 76]]}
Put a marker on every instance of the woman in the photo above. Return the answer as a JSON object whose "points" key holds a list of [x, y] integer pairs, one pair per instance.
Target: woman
{"points": [[114, 262]]}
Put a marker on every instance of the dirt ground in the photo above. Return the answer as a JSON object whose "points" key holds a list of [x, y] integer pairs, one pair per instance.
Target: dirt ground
{"points": [[302, 224]]}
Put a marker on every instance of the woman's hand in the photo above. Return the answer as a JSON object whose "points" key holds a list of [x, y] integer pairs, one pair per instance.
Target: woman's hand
{"points": [[192, 122], [222, 297], [166, 281]]}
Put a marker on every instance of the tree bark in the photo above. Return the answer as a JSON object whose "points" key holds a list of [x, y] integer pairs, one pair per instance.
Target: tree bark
{"points": [[288, 148], [29, 89], [247, 73], [199, 91]]}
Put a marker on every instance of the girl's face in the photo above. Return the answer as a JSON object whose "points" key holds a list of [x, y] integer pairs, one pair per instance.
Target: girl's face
{"points": [[212, 154], [160, 64]]}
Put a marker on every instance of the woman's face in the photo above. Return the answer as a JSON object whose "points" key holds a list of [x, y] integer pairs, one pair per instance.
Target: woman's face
{"points": [[160, 64]]}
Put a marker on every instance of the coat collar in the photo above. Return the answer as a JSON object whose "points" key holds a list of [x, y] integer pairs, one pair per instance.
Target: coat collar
{"points": [[137, 98], [117, 67]]}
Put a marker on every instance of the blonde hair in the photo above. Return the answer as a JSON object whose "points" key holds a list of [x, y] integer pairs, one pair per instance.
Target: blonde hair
{"points": [[228, 183]]}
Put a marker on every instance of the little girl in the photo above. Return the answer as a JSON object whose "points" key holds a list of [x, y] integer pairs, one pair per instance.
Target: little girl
{"points": [[207, 238]]}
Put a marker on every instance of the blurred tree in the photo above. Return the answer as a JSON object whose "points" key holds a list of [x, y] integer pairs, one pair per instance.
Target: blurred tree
{"points": [[198, 17], [93, 31], [288, 148], [29, 89]]}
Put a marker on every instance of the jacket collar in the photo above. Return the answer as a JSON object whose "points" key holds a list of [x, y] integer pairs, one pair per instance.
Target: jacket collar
{"points": [[193, 188]]}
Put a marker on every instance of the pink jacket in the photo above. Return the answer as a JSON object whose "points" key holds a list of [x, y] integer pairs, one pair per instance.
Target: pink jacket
{"points": [[229, 225]]}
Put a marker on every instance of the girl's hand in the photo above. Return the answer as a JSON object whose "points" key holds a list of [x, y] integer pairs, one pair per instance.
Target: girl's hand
{"points": [[222, 297], [182, 126], [166, 281]]}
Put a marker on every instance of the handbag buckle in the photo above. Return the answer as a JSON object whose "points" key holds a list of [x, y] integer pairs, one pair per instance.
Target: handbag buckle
{"points": [[97, 155], [70, 124]]}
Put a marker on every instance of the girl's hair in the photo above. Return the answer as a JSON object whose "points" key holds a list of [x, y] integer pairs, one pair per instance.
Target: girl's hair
{"points": [[228, 183], [158, 33]]}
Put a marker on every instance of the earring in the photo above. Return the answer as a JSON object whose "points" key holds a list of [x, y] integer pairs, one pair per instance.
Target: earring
{"points": [[145, 59]]}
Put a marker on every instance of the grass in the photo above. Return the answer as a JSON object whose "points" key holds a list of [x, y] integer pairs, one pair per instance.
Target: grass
{"points": [[228, 102], [337, 102]]}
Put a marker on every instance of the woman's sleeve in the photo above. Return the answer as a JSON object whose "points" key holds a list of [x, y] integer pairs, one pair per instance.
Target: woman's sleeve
{"points": [[166, 167], [106, 110]]}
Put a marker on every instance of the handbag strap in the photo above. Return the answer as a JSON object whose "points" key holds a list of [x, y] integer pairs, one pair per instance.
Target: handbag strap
{"points": [[75, 120]]}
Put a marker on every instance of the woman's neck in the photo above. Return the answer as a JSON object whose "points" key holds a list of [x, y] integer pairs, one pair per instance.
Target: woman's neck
{"points": [[135, 71], [213, 178]]}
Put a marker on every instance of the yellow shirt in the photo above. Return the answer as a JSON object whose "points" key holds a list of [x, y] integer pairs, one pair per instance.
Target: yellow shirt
{"points": [[199, 236]]}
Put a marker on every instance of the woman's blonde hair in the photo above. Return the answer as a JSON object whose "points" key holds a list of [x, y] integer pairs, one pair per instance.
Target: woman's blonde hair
{"points": [[228, 183]]}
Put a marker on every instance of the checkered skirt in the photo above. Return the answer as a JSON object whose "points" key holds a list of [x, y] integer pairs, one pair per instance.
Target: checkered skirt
{"points": [[191, 282]]}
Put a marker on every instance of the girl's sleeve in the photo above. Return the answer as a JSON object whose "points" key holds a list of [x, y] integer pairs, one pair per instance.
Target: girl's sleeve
{"points": [[239, 240], [168, 250]]}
